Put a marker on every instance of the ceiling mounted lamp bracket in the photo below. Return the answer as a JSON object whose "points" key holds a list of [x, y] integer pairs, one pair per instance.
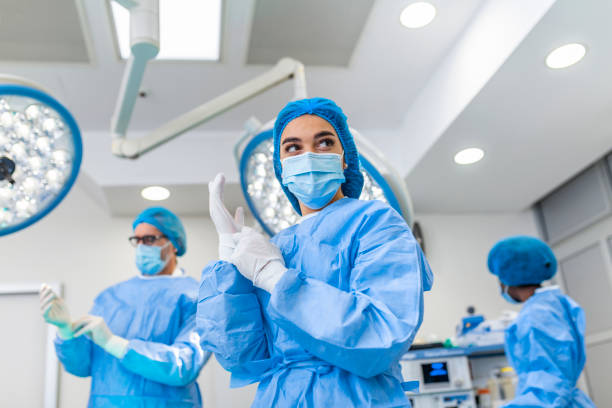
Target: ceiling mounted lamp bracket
{"points": [[144, 41], [144, 46]]}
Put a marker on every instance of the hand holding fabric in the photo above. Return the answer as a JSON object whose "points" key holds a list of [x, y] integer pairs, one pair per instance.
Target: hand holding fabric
{"points": [[54, 311], [225, 224], [97, 330], [258, 259]]}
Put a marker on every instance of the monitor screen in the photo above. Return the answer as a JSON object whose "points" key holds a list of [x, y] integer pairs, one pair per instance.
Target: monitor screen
{"points": [[435, 373]]}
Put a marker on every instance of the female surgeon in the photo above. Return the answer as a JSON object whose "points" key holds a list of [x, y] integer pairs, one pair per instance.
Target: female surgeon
{"points": [[545, 344], [139, 344], [321, 314]]}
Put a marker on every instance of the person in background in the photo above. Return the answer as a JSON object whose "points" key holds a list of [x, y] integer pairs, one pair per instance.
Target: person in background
{"points": [[139, 343], [321, 314], [545, 344]]}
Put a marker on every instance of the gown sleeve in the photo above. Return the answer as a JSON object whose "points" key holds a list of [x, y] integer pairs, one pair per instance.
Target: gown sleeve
{"points": [[230, 320], [177, 364], [75, 355], [368, 328]]}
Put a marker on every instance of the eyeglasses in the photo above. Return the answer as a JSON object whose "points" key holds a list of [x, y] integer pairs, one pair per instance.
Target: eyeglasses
{"points": [[146, 239]]}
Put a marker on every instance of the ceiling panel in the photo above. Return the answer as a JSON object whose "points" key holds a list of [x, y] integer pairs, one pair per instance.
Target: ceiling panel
{"points": [[42, 31], [315, 32]]}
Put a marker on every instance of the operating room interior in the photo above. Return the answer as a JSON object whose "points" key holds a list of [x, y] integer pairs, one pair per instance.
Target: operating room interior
{"points": [[475, 120]]}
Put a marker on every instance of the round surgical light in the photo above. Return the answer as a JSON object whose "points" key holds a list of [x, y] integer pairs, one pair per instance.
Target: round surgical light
{"points": [[268, 202], [155, 193], [417, 15], [469, 156], [565, 56], [40, 154]]}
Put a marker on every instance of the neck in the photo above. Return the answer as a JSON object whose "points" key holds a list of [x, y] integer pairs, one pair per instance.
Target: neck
{"points": [[522, 293], [306, 210], [170, 267]]}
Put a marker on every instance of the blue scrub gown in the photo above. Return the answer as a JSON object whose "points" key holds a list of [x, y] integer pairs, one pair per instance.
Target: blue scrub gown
{"points": [[336, 324], [164, 357], [545, 346]]}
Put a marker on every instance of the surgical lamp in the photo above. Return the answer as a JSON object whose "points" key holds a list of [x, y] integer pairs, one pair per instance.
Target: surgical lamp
{"points": [[40, 153], [253, 152]]}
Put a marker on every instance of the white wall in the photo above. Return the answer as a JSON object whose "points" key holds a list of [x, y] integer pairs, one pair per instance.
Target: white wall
{"points": [[457, 248], [86, 249], [81, 246]]}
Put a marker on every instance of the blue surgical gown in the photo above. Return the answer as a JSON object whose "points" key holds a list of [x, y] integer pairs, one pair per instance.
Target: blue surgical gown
{"points": [[545, 346], [332, 331], [164, 356]]}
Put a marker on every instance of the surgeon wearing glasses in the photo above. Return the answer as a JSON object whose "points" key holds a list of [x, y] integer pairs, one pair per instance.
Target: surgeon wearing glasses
{"points": [[139, 343], [320, 314]]}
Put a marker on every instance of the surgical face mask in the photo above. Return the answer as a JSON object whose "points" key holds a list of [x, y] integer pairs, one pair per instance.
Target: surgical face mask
{"points": [[314, 178], [148, 259], [507, 297]]}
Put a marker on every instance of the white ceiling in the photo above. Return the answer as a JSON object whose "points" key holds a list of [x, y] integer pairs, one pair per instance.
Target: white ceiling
{"points": [[538, 126], [391, 71], [321, 41], [42, 31]]}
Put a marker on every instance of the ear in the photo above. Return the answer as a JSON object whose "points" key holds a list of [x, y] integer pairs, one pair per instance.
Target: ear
{"points": [[173, 248]]}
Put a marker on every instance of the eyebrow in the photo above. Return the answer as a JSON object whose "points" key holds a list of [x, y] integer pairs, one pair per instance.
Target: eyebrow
{"points": [[291, 139], [319, 135], [324, 133]]}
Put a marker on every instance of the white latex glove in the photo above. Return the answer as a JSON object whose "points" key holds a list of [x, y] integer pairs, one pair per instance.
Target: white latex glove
{"points": [[54, 311], [258, 259], [97, 330], [225, 224]]}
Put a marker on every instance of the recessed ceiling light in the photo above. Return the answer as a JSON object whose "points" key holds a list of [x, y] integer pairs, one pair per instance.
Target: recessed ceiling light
{"points": [[417, 15], [155, 193], [469, 156], [188, 29], [565, 56]]}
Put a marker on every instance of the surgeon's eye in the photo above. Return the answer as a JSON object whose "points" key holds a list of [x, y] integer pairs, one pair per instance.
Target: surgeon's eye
{"points": [[325, 144], [146, 240], [292, 148]]}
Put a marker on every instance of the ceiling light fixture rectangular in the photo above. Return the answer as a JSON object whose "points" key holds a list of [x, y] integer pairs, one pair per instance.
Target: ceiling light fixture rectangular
{"points": [[189, 29]]}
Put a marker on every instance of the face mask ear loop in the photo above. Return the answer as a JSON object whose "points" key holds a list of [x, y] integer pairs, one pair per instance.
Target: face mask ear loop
{"points": [[167, 256]]}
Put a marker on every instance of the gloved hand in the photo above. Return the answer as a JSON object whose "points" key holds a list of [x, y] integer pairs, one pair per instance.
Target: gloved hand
{"points": [[258, 259], [97, 330], [54, 311], [225, 224]]}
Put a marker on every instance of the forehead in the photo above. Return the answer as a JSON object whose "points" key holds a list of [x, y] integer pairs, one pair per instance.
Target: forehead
{"points": [[146, 229], [306, 125]]}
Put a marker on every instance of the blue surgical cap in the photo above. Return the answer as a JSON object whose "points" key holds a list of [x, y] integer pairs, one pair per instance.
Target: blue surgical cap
{"points": [[328, 110], [522, 260], [168, 223]]}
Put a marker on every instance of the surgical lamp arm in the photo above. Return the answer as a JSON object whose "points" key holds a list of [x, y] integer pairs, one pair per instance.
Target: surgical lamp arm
{"points": [[128, 4], [285, 69], [144, 45]]}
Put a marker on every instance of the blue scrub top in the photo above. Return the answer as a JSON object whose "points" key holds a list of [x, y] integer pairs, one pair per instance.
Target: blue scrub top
{"points": [[164, 357], [332, 331]]}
